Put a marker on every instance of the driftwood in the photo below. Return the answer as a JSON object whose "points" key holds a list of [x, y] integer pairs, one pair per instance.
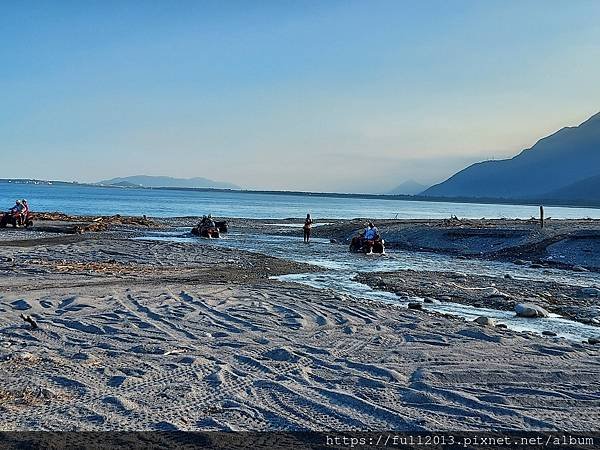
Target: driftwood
{"points": [[30, 321], [112, 220], [93, 224]]}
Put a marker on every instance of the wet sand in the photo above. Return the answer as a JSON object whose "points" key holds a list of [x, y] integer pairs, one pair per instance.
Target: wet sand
{"points": [[139, 335], [503, 292]]}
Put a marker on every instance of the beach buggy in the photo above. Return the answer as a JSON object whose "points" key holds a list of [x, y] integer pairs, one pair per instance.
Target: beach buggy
{"points": [[18, 216], [368, 242], [208, 228]]}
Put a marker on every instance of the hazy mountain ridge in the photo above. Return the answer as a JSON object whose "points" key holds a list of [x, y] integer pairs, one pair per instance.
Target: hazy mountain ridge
{"points": [[588, 188], [409, 187], [162, 181], [564, 158]]}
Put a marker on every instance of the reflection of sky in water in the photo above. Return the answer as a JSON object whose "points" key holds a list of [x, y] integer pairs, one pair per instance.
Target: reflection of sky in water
{"points": [[343, 266]]}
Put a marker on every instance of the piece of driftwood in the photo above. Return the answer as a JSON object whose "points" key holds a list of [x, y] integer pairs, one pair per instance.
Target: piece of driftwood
{"points": [[29, 320]]}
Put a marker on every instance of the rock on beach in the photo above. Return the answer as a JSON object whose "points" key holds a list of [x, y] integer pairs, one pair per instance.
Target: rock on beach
{"points": [[530, 310]]}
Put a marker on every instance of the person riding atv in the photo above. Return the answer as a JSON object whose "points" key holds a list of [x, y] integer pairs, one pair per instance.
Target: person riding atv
{"points": [[17, 216], [208, 228], [368, 242]]}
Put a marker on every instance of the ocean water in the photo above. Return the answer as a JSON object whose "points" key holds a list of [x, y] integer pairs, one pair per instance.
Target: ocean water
{"points": [[92, 200]]}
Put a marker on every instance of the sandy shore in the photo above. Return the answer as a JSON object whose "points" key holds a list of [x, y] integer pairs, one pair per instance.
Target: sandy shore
{"points": [[139, 335]]}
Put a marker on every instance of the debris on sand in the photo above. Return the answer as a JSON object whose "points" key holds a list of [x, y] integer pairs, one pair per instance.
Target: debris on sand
{"points": [[29, 320], [26, 397], [92, 223]]}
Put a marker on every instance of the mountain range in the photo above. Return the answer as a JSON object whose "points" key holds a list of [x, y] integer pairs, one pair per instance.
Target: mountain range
{"points": [[562, 166], [167, 182]]}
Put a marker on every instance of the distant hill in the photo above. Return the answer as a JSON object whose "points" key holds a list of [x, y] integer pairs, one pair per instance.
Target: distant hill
{"points": [[158, 181], [124, 184], [410, 187], [586, 189], [554, 163]]}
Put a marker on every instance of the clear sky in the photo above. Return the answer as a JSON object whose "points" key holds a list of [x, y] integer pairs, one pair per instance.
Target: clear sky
{"points": [[325, 95]]}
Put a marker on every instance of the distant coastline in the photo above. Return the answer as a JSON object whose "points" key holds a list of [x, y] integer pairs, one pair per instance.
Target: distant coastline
{"points": [[420, 198]]}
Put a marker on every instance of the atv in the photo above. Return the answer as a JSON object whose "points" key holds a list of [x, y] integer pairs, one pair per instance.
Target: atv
{"points": [[14, 218], [206, 231], [221, 225], [368, 246], [208, 228]]}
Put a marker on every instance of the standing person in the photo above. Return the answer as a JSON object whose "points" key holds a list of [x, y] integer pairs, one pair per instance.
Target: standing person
{"points": [[24, 212], [306, 228]]}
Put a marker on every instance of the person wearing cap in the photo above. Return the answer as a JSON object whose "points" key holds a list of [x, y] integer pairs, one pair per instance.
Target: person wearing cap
{"points": [[17, 210], [18, 207]]}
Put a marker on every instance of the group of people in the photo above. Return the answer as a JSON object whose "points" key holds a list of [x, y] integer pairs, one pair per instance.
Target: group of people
{"points": [[21, 211]]}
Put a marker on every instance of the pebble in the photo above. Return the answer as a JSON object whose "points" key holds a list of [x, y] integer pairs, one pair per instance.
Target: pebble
{"points": [[594, 341], [485, 321], [446, 298], [548, 333], [508, 276], [501, 325], [47, 393], [458, 275], [493, 292], [415, 305]]}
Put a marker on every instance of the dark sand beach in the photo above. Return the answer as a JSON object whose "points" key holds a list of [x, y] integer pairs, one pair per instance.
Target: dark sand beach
{"points": [[162, 335]]}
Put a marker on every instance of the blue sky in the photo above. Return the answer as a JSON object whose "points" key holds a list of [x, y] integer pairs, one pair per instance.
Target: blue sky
{"points": [[328, 95]]}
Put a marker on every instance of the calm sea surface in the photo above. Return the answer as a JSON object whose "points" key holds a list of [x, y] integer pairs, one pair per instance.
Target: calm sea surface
{"points": [[168, 203]]}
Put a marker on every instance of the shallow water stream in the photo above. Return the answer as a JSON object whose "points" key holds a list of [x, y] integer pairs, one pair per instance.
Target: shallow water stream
{"points": [[340, 267]]}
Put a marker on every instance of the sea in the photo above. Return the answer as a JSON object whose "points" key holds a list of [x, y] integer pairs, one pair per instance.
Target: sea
{"points": [[96, 200]]}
